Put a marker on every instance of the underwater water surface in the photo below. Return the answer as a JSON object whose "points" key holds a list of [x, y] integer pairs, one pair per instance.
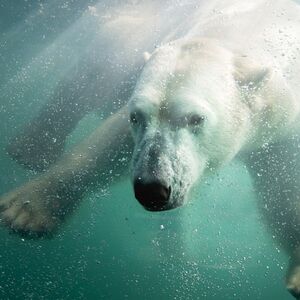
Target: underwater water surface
{"points": [[216, 247]]}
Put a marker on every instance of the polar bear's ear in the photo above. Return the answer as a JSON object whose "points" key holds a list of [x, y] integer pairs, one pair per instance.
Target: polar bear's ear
{"points": [[247, 73], [146, 56]]}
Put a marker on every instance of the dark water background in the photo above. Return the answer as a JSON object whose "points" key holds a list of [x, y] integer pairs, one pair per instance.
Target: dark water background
{"points": [[214, 248]]}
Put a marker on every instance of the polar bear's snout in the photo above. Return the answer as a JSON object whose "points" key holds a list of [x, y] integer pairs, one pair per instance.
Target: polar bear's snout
{"points": [[152, 171], [154, 196]]}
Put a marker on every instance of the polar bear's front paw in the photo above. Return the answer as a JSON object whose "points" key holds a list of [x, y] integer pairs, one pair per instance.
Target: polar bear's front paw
{"points": [[30, 210], [293, 282]]}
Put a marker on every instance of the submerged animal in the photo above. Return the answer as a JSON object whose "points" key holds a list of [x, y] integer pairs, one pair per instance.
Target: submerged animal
{"points": [[223, 84]]}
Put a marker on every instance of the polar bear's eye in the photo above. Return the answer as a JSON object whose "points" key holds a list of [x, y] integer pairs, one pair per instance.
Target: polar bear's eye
{"points": [[195, 120], [133, 118], [137, 117]]}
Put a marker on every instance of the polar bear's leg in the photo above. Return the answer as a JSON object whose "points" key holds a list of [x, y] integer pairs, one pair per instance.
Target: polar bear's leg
{"points": [[42, 140], [39, 206], [275, 170]]}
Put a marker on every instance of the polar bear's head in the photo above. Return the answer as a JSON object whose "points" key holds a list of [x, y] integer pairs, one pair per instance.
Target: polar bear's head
{"points": [[185, 118]]}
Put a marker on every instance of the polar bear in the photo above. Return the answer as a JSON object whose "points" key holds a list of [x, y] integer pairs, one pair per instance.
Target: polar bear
{"points": [[227, 88]]}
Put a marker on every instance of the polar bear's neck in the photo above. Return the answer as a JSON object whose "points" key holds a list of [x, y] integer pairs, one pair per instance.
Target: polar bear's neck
{"points": [[273, 111]]}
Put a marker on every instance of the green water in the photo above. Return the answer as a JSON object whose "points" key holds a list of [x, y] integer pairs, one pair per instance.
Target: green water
{"points": [[216, 247]]}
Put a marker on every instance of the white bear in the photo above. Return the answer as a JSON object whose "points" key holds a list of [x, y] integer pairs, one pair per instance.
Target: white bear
{"points": [[226, 86]]}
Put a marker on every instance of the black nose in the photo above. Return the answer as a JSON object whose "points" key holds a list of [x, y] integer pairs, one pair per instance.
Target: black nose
{"points": [[153, 196]]}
